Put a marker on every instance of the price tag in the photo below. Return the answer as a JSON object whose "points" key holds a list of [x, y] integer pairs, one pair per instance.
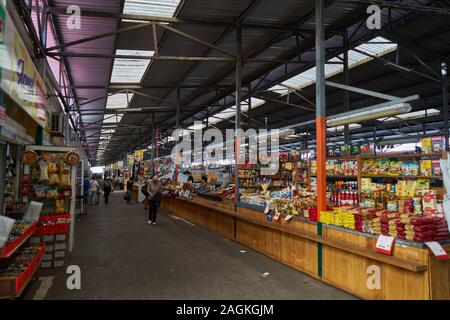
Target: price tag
{"points": [[288, 217], [437, 250], [385, 244], [266, 210]]}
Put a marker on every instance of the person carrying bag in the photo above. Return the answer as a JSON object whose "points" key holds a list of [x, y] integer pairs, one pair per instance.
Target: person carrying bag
{"points": [[154, 191]]}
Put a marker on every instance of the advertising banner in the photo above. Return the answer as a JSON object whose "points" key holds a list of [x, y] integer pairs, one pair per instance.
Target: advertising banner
{"points": [[139, 155], [19, 77]]}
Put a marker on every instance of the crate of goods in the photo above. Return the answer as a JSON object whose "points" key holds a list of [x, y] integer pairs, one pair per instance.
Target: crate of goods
{"points": [[16, 273], [54, 224], [20, 233]]}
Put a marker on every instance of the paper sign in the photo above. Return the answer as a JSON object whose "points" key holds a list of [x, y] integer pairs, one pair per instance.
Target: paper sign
{"points": [[385, 244], [437, 250], [33, 211], [266, 210], [276, 216], [6, 225], [288, 217]]}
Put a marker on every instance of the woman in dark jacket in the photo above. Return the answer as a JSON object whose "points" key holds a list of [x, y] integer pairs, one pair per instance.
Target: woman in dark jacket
{"points": [[154, 198]]}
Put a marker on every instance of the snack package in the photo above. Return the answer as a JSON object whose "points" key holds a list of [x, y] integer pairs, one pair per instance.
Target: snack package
{"points": [[429, 202], [346, 149], [65, 176], [39, 192], [356, 149], [414, 168], [410, 188], [395, 167], [59, 206], [405, 168], [43, 167], [337, 151], [426, 145], [401, 188], [367, 166], [425, 168], [437, 144], [392, 205], [52, 193], [436, 168], [422, 185]]}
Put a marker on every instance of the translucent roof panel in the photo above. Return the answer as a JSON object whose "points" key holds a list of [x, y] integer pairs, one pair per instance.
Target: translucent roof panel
{"points": [[159, 8], [231, 111], [130, 70], [112, 118], [118, 101], [341, 128], [378, 46]]}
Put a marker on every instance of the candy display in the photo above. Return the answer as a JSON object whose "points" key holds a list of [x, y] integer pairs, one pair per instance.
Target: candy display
{"points": [[19, 262]]}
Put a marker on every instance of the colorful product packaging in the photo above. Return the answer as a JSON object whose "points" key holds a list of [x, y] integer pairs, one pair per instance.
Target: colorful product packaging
{"points": [[425, 168], [426, 145], [437, 144]]}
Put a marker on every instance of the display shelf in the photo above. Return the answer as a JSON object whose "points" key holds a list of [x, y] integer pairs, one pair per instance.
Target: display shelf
{"points": [[400, 177], [339, 177], [13, 287], [405, 155], [12, 247]]}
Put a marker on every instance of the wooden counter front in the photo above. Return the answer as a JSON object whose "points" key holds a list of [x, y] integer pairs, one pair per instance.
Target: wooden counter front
{"points": [[341, 258]]}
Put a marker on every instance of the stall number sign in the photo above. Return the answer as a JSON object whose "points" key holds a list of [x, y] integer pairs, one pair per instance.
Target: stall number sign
{"points": [[437, 250], [385, 244]]}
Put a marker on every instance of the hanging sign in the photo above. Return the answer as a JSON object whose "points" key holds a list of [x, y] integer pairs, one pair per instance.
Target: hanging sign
{"points": [[139, 155], [437, 250], [385, 244], [130, 159], [19, 77]]}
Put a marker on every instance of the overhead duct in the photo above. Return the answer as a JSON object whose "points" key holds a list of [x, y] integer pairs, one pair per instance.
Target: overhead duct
{"points": [[368, 114]]}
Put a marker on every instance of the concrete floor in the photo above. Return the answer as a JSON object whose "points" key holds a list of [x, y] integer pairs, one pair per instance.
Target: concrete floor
{"points": [[122, 257]]}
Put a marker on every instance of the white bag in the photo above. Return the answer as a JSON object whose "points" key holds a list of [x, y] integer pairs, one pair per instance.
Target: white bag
{"points": [[33, 211], [6, 225]]}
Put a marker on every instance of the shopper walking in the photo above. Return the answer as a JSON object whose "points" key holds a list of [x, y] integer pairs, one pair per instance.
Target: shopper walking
{"points": [[145, 193], [107, 188], [154, 199], [100, 188], [86, 184], [93, 191], [120, 182], [127, 196]]}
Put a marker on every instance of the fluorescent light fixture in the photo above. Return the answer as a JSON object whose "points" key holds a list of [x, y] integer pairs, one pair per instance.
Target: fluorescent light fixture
{"points": [[118, 100], [156, 8], [368, 114], [413, 115], [130, 70], [341, 128], [197, 126]]}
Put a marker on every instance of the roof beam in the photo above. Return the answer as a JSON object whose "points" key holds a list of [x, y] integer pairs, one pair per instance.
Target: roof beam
{"points": [[172, 20]]}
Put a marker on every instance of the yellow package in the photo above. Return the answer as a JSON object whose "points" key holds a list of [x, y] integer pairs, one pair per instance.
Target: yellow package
{"points": [[400, 189], [410, 188], [426, 145], [425, 168]]}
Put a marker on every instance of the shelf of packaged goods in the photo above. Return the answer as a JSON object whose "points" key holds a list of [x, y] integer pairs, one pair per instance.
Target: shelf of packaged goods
{"points": [[13, 287], [12, 247], [343, 158], [339, 177], [405, 156], [400, 177]]}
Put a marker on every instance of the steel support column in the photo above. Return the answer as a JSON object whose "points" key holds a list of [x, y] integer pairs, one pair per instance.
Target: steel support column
{"points": [[321, 132], [238, 110], [444, 72], [346, 80]]}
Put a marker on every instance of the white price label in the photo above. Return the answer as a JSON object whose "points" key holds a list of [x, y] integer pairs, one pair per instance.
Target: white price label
{"points": [[288, 217], [437, 250], [385, 244], [266, 210]]}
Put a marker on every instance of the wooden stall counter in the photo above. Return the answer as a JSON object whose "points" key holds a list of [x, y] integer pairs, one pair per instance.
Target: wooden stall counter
{"points": [[343, 258]]}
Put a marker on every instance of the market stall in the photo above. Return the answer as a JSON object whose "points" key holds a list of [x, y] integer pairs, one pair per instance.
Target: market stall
{"points": [[369, 197]]}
